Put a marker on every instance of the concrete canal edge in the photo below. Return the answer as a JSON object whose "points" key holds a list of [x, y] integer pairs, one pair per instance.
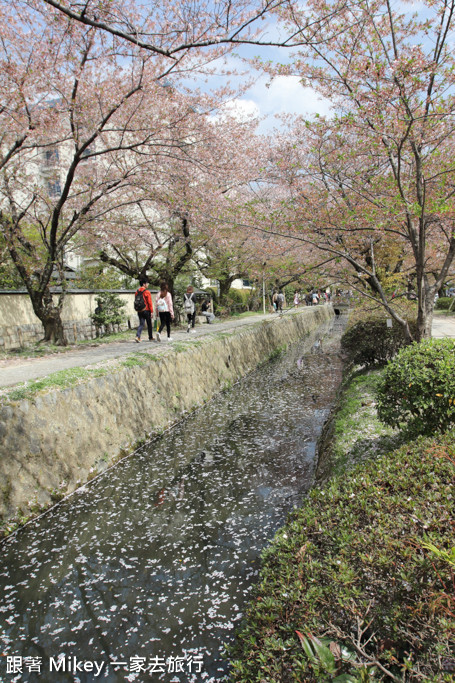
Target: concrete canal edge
{"points": [[68, 435]]}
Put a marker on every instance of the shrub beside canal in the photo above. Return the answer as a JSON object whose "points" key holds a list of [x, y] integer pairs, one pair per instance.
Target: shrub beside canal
{"points": [[417, 389], [364, 572]]}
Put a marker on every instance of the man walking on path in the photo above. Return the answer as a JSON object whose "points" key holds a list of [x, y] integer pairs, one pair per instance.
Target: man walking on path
{"points": [[280, 302], [145, 315]]}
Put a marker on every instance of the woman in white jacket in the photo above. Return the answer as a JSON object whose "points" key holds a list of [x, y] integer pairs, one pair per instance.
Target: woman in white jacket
{"points": [[165, 310]]}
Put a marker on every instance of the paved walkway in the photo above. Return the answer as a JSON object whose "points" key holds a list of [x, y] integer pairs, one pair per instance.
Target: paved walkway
{"points": [[443, 327], [17, 370]]}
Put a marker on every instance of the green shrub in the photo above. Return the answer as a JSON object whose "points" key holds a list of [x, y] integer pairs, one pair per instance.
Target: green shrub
{"points": [[444, 303], [354, 569], [238, 299], [370, 342], [109, 311], [417, 389], [213, 293]]}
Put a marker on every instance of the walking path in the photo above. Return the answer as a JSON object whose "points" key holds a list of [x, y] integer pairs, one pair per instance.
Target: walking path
{"points": [[443, 327], [17, 370]]}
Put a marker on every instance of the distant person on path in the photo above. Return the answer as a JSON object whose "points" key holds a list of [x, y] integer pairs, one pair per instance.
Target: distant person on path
{"points": [[205, 310], [98, 326], [279, 302], [165, 310], [315, 298], [296, 299], [143, 297], [274, 297], [189, 306]]}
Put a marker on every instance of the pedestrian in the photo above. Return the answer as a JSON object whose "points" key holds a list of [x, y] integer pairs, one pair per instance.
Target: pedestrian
{"points": [[274, 296], [315, 298], [97, 318], [144, 307], [279, 301], [189, 306], [165, 310], [296, 299], [205, 310]]}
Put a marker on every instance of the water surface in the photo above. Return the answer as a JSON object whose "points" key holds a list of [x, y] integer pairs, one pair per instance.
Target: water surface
{"points": [[150, 565]]}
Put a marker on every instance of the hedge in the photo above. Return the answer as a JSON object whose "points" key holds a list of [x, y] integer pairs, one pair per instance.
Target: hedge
{"points": [[417, 389], [444, 303], [358, 586], [371, 342]]}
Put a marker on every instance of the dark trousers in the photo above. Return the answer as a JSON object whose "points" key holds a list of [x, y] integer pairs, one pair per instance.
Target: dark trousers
{"points": [[145, 317], [191, 318], [165, 319]]}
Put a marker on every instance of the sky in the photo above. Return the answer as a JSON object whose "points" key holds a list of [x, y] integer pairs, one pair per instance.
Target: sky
{"points": [[267, 99]]}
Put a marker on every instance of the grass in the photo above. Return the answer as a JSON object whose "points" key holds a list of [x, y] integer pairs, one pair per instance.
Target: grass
{"points": [[138, 359], [358, 433], [60, 380], [444, 314]]}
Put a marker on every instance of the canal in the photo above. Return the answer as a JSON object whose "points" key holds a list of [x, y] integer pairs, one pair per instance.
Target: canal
{"points": [[143, 574]]}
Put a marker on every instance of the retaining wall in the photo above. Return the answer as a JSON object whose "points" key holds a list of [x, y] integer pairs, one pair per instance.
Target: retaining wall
{"points": [[19, 326], [66, 435]]}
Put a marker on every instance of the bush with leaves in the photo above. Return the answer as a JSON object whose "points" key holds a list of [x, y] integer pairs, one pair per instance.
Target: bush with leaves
{"points": [[109, 312], [370, 341], [358, 586], [445, 302], [417, 389]]}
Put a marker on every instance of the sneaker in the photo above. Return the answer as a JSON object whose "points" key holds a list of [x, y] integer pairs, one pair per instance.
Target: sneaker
{"points": [[187, 330], [151, 339], [137, 340], [158, 336], [193, 331], [170, 339]]}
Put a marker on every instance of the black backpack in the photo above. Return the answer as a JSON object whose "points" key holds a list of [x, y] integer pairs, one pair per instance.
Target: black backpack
{"points": [[139, 301]]}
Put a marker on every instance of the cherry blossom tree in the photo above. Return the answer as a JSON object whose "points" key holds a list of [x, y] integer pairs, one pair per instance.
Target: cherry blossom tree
{"points": [[184, 194], [380, 169], [85, 122]]}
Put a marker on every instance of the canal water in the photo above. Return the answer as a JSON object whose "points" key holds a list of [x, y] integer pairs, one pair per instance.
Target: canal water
{"points": [[143, 574]]}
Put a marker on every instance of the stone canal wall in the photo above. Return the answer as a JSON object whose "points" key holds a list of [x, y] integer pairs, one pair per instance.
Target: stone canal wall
{"points": [[59, 439]]}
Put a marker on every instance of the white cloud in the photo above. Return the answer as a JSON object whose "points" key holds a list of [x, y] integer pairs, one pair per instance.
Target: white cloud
{"points": [[286, 95], [242, 110]]}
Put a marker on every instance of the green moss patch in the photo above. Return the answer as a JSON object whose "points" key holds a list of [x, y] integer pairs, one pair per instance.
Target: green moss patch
{"points": [[351, 572]]}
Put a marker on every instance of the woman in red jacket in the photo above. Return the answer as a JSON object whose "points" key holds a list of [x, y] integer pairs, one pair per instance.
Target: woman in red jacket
{"points": [[145, 315]]}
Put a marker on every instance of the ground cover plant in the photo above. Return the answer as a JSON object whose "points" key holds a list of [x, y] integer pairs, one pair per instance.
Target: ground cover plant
{"points": [[358, 586], [417, 390]]}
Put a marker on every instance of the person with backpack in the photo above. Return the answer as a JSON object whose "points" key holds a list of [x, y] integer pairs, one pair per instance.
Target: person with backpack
{"points": [[189, 306], [144, 306], [280, 302], [165, 310]]}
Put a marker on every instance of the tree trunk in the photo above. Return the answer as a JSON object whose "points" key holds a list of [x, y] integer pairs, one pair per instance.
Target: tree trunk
{"points": [[50, 316], [53, 328], [425, 316], [225, 286]]}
